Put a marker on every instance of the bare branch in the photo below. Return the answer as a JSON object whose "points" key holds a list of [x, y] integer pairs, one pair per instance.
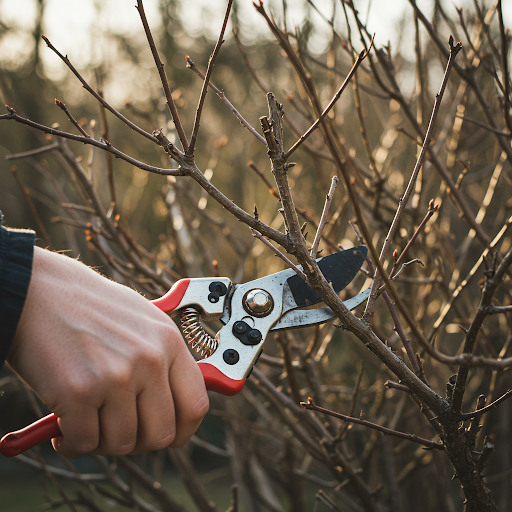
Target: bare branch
{"points": [[163, 78], [222, 96], [454, 50], [204, 90], [359, 421], [63, 107], [278, 253], [89, 89], [105, 145], [483, 410], [331, 104], [323, 220]]}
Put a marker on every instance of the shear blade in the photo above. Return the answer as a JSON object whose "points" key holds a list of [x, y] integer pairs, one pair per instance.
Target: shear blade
{"points": [[339, 269], [307, 317]]}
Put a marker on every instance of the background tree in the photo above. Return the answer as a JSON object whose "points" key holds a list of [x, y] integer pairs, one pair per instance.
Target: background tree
{"points": [[424, 362]]}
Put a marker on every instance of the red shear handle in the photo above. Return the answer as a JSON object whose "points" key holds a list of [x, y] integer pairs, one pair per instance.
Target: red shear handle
{"points": [[216, 381], [172, 298], [47, 428], [42, 430]]}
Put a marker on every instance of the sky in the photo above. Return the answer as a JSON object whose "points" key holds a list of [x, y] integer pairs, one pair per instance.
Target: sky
{"points": [[69, 23], [74, 26]]}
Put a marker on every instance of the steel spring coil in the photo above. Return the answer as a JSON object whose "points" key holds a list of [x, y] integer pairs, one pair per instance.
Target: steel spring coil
{"points": [[195, 334]]}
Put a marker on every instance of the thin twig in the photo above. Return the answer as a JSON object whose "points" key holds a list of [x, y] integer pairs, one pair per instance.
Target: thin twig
{"points": [[483, 125], [63, 107], [222, 96], [406, 264], [278, 253], [362, 55], [105, 145], [204, 90], [163, 78], [89, 89], [493, 279], [496, 310], [410, 437], [33, 152], [396, 320], [323, 220], [454, 50], [479, 412], [271, 189], [431, 210], [62, 473]]}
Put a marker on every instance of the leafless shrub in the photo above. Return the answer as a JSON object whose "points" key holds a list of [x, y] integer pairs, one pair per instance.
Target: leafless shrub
{"points": [[349, 416]]}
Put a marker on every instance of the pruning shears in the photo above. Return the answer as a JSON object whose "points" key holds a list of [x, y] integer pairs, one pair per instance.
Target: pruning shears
{"points": [[248, 313]]}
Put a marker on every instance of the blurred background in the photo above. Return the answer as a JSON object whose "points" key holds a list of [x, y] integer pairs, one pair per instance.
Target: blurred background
{"points": [[177, 230]]}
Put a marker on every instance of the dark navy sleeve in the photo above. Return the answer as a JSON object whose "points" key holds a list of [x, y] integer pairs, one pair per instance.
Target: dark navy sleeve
{"points": [[16, 254]]}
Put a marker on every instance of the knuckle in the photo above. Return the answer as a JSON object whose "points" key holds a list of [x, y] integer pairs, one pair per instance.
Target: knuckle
{"points": [[80, 389], [163, 441], [118, 376], [153, 358], [120, 451]]}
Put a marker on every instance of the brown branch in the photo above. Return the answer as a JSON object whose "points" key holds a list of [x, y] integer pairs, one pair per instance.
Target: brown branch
{"points": [[504, 38], [496, 310], [456, 293], [279, 254], [163, 77], [365, 88], [396, 321], [63, 107], [359, 421], [150, 486], [454, 50], [222, 96], [89, 89], [315, 278], [323, 220], [204, 90], [33, 152], [431, 210], [362, 55], [271, 189], [483, 410], [493, 279], [483, 125], [105, 145]]}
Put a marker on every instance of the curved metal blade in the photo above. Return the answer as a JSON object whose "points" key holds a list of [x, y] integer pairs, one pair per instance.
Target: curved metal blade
{"points": [[308, 317], [339, 269]]}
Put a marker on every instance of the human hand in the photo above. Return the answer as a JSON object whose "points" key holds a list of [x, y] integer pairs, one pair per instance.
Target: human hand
{"points": [[107, 362]]}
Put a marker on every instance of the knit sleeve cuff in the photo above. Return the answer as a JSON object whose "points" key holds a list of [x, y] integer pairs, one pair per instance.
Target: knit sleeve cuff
{"points": [[16, 255]]}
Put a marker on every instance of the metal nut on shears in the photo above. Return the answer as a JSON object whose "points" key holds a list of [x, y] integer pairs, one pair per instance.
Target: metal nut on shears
{"points": [[258, 302]]}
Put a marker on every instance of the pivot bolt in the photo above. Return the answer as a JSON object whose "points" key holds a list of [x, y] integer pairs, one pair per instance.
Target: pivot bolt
{"points": [[258, 302]]}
